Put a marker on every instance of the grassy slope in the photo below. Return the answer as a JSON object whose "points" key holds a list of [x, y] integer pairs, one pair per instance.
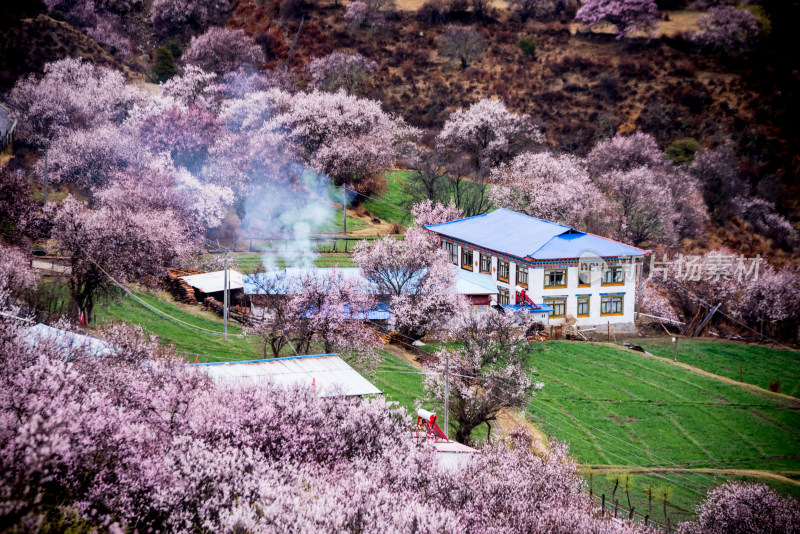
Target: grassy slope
{"points": [[394, 199], [208, 346], [624, 408], [616, 407], [760, 365]]}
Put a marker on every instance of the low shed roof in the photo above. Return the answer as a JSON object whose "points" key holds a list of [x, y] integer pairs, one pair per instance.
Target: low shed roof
{"points": [[41, 333], [328, 374], [214, 281]]}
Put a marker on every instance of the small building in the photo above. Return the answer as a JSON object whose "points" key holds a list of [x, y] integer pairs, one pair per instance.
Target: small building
{"points": [[327, 374], [213, 285], [577, 274]]}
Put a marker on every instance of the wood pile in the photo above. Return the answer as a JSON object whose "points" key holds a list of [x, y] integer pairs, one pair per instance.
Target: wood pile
{"points": [[240, 314], [179, 289]]}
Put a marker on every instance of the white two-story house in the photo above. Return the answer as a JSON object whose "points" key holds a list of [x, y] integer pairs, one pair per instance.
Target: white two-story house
{"points": [[580, 275]]}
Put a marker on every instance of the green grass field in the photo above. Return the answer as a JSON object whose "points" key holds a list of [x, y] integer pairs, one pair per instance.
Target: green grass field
{"points": [[250, 262], [394, 200], [618, 407], [759, 365], [209, 346]]}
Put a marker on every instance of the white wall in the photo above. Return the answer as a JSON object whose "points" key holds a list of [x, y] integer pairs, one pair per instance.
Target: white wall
{"points": [[537, 291]]}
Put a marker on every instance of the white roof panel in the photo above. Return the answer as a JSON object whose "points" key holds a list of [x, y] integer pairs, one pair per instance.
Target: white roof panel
{"points": [[328, 374], [213, 282]]}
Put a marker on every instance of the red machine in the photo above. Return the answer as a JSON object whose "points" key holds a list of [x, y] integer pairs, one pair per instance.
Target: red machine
{"points": [[525, 300], [426, 423]]}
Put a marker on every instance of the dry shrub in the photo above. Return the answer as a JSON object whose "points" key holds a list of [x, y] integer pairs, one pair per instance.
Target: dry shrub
{"points": [[395, 228], [684, 69]]}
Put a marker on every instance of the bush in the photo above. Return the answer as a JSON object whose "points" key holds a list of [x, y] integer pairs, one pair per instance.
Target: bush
{"points": [[775, 385], [609, 84], [164, 67], [57, 15], [683, 150], [727, 30], [433, 12], [527, 44]]}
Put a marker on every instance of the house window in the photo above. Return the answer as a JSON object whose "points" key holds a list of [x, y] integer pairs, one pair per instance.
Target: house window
{"points": [[503, 297], [611, 305], [583, 306], [585, 275], [452, 251], [613, 276], [559, 305], [486, 264], [502, 270], [466, 258], [522, 276], [555, 278]]}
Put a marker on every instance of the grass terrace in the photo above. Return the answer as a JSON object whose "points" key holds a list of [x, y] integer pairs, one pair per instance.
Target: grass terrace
{"points": [[760, 365]]}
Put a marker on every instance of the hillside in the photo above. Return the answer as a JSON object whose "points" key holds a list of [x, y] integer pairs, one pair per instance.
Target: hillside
{"points": [[581, 87]]}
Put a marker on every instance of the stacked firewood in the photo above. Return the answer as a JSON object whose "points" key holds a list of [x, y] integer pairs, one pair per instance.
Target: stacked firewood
{"points": [[240, 314], [179, 289]]}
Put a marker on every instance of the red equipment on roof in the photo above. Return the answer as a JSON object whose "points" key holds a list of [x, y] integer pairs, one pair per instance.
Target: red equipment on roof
{"points": [[426, 422], [522, 297]]}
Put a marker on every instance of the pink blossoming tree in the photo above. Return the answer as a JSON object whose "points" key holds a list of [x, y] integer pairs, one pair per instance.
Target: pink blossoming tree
{"points": [[124, 241], [340, 70], [735, 508], [626, 15], [488, 372], [727, 30], [416, 276], [553, 188], [223, 50]]}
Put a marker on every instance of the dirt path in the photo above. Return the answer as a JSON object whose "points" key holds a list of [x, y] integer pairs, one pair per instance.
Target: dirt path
{"points": [[743, 385], [754, 473]]}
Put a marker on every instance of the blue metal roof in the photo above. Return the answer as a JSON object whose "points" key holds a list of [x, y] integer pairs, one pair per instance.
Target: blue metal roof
{"points": [[472, 283], [467, 282], [542, 308], [520, 235]]}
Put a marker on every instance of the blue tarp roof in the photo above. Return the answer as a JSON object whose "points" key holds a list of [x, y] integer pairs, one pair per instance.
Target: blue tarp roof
{"points": [[467, 282], [520, 235], [472, 283]]}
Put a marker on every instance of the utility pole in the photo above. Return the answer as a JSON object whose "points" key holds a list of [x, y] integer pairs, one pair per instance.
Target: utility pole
{"points": [[225, 299], [446, 394], [344, 208], [640, 270], [46, 150]]}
